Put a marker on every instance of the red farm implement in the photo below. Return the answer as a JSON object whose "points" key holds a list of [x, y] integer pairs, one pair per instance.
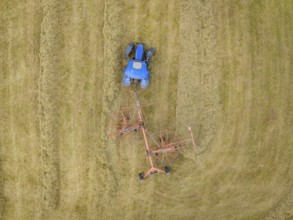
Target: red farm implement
{"points": [[164, 146]]}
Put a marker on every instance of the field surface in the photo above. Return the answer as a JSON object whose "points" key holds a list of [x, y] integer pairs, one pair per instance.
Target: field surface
{"points": [[222, 67]]}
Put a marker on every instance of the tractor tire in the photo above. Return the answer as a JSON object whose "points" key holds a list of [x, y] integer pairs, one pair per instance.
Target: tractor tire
{"points": [[167, 170], [149, 54], [129, 49], [141, 177]]}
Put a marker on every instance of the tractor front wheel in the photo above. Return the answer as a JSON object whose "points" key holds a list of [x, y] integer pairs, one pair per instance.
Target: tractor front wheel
{"points": [[129, 49]]}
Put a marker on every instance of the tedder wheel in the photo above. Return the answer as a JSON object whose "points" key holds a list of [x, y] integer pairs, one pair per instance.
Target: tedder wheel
{"points": [[120, 121], [165, 147], [141, 176], [167, 170]]}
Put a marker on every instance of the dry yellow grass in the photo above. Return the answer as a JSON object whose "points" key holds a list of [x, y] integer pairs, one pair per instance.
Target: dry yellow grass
{"points": [[222, 67]]}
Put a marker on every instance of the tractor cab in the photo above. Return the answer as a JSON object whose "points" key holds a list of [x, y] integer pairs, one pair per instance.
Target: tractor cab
{"points": [[137, 70], [137, 67]]}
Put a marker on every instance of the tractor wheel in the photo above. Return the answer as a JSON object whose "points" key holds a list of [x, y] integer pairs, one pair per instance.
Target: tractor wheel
{"points": [[141, 176], [129, 49], [150, 54], [167, 170]]}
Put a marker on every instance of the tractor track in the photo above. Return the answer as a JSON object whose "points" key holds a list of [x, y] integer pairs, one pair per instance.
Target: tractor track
{"points": [[3, 120], [84, 172], [283, 209], [77, 161], [112, 44], [19, 138], [48, 105], [197, 101]]}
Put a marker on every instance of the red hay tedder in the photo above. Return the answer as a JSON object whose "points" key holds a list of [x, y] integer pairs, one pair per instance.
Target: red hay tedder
{"points": [[166, 144]]}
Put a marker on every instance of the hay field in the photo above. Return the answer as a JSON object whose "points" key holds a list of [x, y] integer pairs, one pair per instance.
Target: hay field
{"points": [[222, 67]]}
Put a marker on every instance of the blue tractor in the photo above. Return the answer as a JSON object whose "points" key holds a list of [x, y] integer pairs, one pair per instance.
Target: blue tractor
{"points": [[137, 67]]}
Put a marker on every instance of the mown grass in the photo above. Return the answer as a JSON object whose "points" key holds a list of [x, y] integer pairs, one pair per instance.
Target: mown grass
{"points": [[222, 67]]}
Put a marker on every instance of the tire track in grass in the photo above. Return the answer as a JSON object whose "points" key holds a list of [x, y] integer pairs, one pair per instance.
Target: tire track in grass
{"points": [[173, 53], [93, 64], [76, 79], [2, 198], [3, 123], [4, 92], [283, 209], [282, 33], [235, 92], [72, 93], [271, 82], [112, 32], [163, 34], [83, 179], [248, 71], [48, 113], [19, 73], [28, 124], [197, 100]]}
